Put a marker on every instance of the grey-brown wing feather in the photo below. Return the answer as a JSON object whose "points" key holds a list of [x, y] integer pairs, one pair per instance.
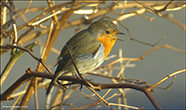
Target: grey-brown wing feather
{"points": [[78, 44]]}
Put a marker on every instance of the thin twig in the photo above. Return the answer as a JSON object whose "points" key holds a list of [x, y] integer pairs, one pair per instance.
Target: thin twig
{"points": [[168, 76], [26, 10], [140, 58], [36, 95], [13, 59], [28, 50]]}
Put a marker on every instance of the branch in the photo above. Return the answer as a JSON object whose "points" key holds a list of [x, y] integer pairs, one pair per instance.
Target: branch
{"points": [[168, 76], [14, 58], [143, 89], [15, 86], [30, 52]]}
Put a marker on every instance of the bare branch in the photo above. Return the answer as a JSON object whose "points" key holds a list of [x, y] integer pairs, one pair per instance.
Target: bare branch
{"points": [[13, 59]]}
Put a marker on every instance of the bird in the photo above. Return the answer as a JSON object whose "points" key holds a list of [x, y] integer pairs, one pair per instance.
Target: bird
{"points": [[89, 48]]}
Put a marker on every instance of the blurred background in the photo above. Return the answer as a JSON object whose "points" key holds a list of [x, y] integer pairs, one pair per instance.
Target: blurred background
{"points": [[151, 69]]}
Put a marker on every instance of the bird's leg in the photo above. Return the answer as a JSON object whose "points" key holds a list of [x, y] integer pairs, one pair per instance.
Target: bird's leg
{"points": [[81, 80], [89, 80]]}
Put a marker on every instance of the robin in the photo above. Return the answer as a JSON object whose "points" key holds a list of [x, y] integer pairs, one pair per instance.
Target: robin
{"points": [[89, 48]]}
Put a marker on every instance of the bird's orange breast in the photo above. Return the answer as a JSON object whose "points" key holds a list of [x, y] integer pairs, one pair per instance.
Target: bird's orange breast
{"points": [[108, 43]]}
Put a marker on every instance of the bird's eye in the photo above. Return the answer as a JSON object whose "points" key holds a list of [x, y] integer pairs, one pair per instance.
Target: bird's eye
{"points": [[107, 32]]}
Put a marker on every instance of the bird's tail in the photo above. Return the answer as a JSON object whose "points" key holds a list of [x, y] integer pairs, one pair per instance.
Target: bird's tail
{"points": [[54, 79]]}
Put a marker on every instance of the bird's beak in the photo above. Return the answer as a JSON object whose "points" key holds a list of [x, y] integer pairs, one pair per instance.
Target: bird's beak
{"points": [[114, 36], [121, 33]]}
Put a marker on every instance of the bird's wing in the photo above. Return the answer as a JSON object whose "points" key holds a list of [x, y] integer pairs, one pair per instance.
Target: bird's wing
{"points": [[80, 43]]}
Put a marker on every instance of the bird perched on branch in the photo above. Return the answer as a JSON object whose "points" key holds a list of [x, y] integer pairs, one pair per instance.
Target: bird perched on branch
{"points": [[89, 48]]}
